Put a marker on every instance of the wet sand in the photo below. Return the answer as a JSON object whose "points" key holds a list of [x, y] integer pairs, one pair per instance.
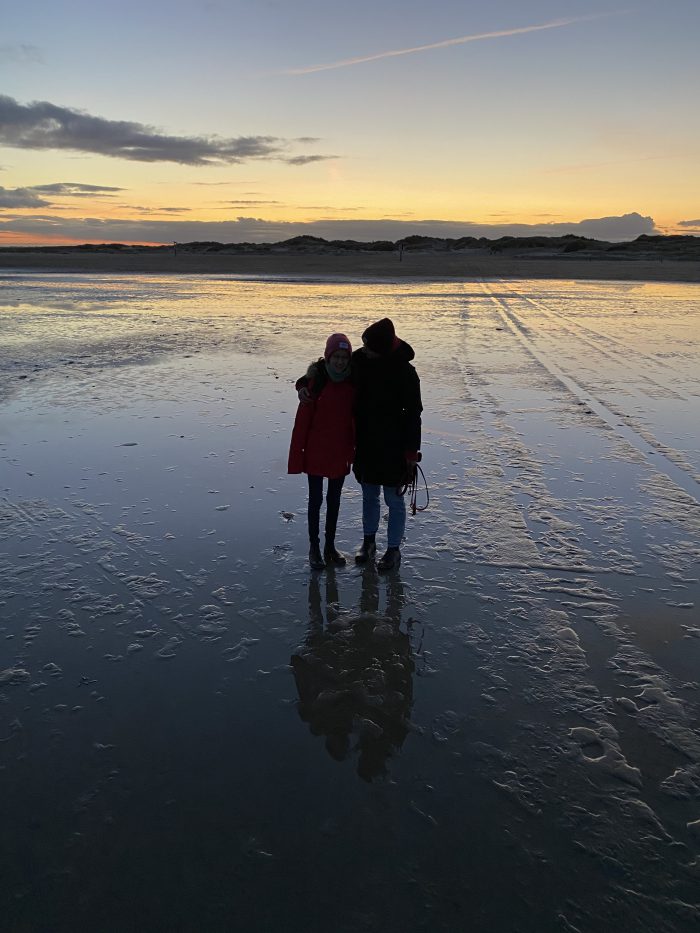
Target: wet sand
{"points": [[503, 735], [462, 265]]}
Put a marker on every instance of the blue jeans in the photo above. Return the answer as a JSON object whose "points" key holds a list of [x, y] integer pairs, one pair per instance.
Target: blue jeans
{"points": [[370, 512]]}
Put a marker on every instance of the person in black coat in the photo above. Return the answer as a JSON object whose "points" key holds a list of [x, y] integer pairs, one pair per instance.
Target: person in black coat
{"points": [[388, 410]]}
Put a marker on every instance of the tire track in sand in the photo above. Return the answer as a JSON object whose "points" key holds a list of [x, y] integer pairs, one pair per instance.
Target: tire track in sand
{"points": [[601, 343], [665, 460]]}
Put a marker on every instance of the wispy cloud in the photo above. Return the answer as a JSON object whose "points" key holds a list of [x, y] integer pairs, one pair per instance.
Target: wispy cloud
{"points": [[35, 195], [75, 189], [691, 224], [447, 43], [308, 159], [42, 125], [154, 211], [18, 53], [221, 184], [245, 203]]}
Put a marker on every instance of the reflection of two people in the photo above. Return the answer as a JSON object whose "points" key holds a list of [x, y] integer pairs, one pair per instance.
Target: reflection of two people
{"points": [[354, 673]]}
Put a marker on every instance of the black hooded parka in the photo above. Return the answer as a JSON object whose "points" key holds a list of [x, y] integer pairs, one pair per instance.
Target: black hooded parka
{"points": [[387, 414]]}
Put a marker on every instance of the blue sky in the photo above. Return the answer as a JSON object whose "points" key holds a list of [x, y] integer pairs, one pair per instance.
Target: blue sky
{"points": [[177, 120]]}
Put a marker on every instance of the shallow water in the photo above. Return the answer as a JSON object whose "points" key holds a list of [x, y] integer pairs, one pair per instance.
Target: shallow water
{"points": [[196, 733]]}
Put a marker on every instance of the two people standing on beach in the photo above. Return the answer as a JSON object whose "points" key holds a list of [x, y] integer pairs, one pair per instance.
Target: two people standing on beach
{"points": [[380, 409]]}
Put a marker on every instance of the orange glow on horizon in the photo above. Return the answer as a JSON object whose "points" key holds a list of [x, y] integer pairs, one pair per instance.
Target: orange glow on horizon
{"points": [[10, 240]]}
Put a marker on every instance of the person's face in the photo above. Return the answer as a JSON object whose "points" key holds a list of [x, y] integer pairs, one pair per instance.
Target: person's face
{"points": [[340, 360], [370, 354]]}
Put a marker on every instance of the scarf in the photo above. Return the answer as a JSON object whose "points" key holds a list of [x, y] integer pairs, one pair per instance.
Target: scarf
{"points": [[337, 377]]}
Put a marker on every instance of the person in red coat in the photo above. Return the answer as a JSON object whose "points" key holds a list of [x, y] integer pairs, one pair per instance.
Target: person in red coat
{"points": [[323, 444]]}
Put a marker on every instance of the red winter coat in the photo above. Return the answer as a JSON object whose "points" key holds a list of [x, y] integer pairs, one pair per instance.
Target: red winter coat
{"points": [[323, 438]]}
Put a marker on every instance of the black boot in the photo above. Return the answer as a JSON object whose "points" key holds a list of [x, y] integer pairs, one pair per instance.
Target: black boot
{"points": [[366, 551], [390, 561], [315, 559], [333, 557]]}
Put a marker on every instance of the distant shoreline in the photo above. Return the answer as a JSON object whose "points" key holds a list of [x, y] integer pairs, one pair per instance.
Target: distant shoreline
{"points": [[460, 265]]}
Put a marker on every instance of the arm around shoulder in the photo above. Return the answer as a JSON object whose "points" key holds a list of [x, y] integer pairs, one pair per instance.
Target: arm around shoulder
{"points": [[305, 383]]}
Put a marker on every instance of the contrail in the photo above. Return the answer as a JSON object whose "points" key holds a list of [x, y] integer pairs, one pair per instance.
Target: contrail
{"points": [[460, 40]]}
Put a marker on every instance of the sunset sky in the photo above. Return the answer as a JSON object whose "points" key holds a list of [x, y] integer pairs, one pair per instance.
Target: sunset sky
{"points": [[259, 120]]}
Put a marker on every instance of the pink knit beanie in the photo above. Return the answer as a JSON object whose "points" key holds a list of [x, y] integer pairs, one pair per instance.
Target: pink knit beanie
{"points": [[336, 342]]}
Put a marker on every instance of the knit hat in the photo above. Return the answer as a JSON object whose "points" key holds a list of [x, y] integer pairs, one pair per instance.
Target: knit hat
{"points": [[380, 336], [336, 342]]}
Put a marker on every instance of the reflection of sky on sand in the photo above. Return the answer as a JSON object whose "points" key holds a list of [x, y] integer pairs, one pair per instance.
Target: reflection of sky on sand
{"points": [[522, 701]]}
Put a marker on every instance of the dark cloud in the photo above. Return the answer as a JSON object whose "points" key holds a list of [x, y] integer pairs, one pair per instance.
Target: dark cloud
{"points": [[21, 197], [306, 160], [252, 229], [34, 196], [42, 125], [149, 211], [74, 188], [615, 228], [692, 224]]}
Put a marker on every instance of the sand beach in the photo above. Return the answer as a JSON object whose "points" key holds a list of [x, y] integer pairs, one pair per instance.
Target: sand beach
{"points": [[426, 265], [195, 727]]}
